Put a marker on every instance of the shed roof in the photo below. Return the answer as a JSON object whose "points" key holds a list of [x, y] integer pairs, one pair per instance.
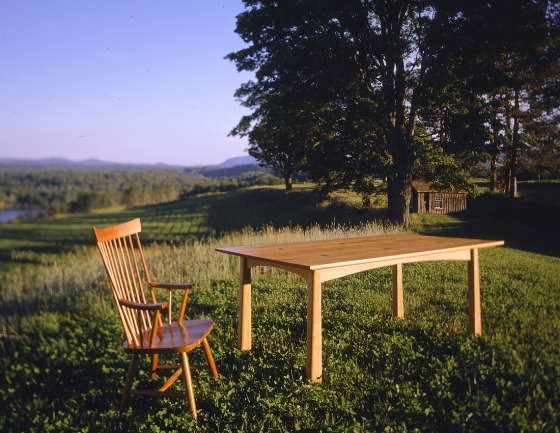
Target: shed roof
{"points": [[421, 185]]}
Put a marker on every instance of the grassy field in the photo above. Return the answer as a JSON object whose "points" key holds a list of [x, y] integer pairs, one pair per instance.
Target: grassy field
{"points": [[62, 367], [525, 223], [206, 215]]}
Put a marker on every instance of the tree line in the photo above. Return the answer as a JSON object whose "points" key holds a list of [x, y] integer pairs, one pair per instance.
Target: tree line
{"points": [[59, 192], [353, 91]]}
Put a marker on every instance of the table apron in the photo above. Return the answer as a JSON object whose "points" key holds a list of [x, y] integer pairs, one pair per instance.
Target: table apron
{"points": [[302, 272], [331, 273]]}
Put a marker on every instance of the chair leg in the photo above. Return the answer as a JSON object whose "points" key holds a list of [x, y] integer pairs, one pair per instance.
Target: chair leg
{"points": [[153, 371], [188, 383], [129, 380], [209, 357]]}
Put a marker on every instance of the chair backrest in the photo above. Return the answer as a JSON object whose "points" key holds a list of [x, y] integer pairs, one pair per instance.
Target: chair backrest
{"points": [[124, 262]]}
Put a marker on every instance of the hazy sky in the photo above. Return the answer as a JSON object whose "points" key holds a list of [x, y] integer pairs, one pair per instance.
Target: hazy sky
{"points": [[140, 81]]}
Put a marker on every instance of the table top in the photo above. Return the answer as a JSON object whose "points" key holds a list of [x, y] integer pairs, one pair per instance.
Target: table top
{"points": [[323, 254]]}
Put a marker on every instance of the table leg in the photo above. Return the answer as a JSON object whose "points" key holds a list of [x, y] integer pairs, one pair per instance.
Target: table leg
{"points": [[314, 362], [244, 327], [475, 313], [398, 297]]}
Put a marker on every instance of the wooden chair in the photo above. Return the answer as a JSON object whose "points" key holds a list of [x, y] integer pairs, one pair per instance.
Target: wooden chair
{"points": [[145, 331]]}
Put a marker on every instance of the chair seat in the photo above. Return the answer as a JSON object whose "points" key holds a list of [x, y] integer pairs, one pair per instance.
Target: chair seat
{"points": [[174, 338]]}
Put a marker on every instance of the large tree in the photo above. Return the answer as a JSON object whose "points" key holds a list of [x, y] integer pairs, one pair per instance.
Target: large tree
{"points": [[356, 76]]}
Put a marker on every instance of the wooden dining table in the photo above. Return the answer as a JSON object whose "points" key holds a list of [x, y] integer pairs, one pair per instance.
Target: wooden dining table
{"points": [[324, 260]]}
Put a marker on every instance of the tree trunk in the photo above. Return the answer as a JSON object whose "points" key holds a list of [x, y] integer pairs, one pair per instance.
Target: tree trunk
{"points": [[512, 187], [288, 181], [493, 175], [512, 181], [399, 191], [399, 137], [399, 184], [506, 179]]}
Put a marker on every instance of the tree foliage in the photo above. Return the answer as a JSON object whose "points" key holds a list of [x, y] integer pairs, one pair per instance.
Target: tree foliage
{"points": [[59, 192], [355, 90]]}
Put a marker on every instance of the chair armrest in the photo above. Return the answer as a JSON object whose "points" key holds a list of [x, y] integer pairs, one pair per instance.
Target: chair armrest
{"points": [[157, 307], [144, 307], [171, 286]]}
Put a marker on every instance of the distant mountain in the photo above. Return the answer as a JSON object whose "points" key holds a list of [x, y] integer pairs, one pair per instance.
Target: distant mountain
{"points": [[21, 164], [238, 160], [16, 164]]}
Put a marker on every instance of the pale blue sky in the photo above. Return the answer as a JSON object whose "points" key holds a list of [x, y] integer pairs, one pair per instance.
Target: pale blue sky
{"points": [[139, 81]]}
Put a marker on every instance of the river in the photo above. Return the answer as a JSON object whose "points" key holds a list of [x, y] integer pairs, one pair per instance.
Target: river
{"points": [[11, 214]]}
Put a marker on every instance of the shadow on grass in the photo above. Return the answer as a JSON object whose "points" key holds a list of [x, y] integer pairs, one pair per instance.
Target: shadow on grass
{"points": [[529, 222]]}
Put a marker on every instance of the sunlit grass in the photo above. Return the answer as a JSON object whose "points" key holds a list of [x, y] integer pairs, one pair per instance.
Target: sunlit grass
{"points": [[424, 372]]}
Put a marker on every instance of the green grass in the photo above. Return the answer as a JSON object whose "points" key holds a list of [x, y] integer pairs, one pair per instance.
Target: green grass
{"points": [[62, 367], [65, 364]]}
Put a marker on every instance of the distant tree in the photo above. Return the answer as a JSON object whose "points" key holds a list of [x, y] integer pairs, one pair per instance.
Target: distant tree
{"points": [[521, 100], [133, 195], [86, 202], [273, 147], [286, 119], [542, 157]]}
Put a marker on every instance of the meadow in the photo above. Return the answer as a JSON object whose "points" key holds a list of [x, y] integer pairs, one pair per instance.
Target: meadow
{"points": [[62, 366]]}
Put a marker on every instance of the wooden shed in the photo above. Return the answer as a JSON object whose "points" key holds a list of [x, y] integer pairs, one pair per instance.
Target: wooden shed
{"points": [[425, 199]]}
